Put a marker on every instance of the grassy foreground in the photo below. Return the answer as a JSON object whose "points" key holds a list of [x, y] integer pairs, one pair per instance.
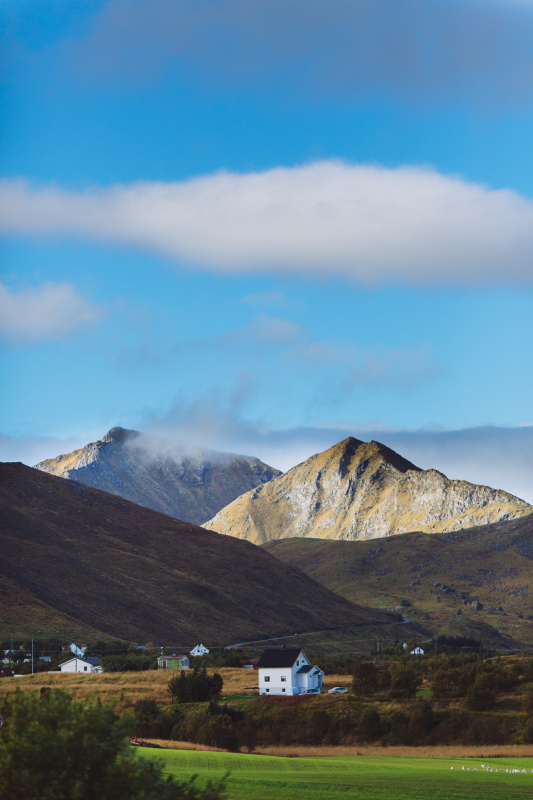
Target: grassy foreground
{"points": [[361, 777]]}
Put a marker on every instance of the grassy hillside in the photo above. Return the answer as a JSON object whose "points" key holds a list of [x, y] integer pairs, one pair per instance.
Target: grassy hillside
{"points": [[435, 575], [80, 562]]}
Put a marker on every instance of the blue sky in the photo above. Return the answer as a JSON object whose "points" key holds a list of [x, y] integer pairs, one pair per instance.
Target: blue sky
{"points": [[260, 226]]}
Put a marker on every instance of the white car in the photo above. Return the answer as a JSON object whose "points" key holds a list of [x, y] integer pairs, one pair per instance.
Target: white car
{"points": [[338, 690]]}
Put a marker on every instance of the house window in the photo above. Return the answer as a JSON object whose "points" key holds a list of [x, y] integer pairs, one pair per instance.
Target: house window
{"points": [[85, 669], [267, 679], [283, 678], [267, 690], [283, 690]]}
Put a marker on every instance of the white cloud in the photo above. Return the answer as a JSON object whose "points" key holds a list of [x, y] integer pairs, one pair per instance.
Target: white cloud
{"points": [[49, 311], [366, 223], [501, 457]]}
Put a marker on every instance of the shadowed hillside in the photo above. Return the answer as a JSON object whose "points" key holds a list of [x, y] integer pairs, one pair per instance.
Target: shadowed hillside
{"points": [[361, 490], [485, 573], [153, 473], [78, 560]]}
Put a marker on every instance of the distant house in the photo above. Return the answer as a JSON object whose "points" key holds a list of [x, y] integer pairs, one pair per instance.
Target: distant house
{"points": [[287, 671], [78, 651], [417, 652], [252, 664], [199, 650], [88, 665], [173, 662]]}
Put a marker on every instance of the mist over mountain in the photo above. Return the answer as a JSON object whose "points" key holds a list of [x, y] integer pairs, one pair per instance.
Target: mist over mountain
{"points": [[361, 490], [159, 474]]}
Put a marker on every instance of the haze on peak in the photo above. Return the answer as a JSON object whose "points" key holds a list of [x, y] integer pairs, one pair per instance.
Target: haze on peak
{"points": [[160, 473]]}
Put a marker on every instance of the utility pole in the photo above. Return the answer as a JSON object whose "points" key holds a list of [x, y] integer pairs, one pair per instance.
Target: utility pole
{"points": [[32, 656]]}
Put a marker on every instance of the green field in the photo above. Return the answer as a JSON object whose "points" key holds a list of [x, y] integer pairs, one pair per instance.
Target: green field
{"points": [[361, 777]]}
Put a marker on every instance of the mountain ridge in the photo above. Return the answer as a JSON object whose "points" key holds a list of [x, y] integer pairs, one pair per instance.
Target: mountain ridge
{"points": [[79, 560], [361, 490], [191, 486]]}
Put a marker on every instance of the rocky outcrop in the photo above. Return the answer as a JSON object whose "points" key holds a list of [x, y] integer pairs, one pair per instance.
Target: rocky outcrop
{"points": [[154, 474], [361, 490]]}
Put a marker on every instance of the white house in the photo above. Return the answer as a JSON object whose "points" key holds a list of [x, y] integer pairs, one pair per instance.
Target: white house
{"points": [[77, 651], [417, 652], [199, 650], [287, 671], [88, 665]]}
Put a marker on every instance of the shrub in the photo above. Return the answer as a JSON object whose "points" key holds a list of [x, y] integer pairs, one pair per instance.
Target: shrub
{"points": [[479, 699], [365, 678], [370, 727], [196, 686], [405, 683], [55, 749]]}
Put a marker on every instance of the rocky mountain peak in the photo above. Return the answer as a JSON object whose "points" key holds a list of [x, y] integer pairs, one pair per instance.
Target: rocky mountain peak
{"points": [[150, 472], [362, 490], [120, 435]]}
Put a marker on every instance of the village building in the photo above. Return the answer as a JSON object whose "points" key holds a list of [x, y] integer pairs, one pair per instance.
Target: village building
{"points": [[199, 650], [173, 662], [77, 651], [287, 671], [86, 665]]}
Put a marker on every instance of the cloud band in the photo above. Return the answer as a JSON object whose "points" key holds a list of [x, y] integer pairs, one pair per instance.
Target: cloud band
{"points": [[371, 224]]}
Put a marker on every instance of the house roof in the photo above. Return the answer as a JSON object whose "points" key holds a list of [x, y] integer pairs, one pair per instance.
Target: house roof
{"points": [[274, 657], [75, 658], [305, 668], [95, 662]]}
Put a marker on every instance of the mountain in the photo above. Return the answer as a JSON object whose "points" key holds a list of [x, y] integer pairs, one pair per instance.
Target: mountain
{"points": [[78, 561], [152, 473], [485, 572], [361, 490]]}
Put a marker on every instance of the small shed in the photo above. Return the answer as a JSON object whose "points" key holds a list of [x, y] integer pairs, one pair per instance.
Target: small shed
{"points": [[173, 662]]}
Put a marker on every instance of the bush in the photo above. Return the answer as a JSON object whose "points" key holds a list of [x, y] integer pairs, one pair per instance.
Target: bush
{"points": [[370, 727], [405, 683], [196, 686], [479, 699], [54, 749], [399, 733], [365, 678], [128, 663]]}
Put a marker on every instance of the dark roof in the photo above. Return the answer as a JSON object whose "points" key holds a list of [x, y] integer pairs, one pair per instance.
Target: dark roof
{"points": [[278, 658], [95, 662], [305, 668]]}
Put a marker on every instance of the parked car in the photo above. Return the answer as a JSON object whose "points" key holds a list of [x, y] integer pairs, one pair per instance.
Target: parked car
{"points": [[312, 691], [338, 690]]}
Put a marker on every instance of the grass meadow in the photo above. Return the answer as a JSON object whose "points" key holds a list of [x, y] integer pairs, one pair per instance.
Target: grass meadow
{"points": [[124, 688], [381, 777]]}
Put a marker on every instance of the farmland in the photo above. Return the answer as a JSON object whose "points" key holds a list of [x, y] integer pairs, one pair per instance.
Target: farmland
{"points": [[364, 777]]}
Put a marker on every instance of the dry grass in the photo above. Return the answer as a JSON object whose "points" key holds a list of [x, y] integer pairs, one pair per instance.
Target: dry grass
{"points": [[121, 688], [303, 751]]}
